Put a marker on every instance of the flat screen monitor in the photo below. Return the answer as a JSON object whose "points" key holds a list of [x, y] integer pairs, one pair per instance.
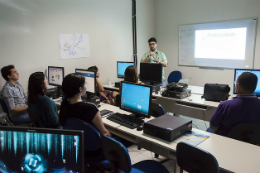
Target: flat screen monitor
{"points": [[55, 75], [90, 77], [136, 98], [121, 66], [256, 72], [151, 72], [41, 150]]}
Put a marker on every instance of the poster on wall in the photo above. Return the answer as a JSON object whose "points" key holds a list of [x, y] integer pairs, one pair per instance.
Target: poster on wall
{"points": [[74, 46]]}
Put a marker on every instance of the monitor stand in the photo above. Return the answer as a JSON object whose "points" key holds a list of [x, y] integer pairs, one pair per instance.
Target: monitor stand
{"points": [[89, 97], [156, 87], [139, 116], [58, 93], [117, 84]]}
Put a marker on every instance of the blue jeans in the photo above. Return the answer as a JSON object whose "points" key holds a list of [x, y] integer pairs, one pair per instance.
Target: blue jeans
{"points": [[21, 119]]}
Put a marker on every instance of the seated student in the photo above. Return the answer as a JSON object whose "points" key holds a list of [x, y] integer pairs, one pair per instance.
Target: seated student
{"points": [[73, 87], [244, 108], [14, 96], [131, 74], [106, 96], [41, 104]]}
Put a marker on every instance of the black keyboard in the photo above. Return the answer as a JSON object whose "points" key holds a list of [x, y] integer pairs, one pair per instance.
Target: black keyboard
{"points": [[126, 120]]}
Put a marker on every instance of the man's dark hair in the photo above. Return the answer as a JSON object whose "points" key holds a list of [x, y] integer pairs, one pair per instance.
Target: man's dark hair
{"points": [[6, 71], [248, 81], [152, 40], [93, 68]]}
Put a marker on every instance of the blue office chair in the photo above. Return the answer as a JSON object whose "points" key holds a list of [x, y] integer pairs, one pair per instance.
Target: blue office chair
{"points": [[246, 132], [157, 110], [5, 109], [92, 141], [118, 156], [195, 160], [174, 76]]}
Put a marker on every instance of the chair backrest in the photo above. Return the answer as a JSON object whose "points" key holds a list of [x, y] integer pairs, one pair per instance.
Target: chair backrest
{"points": [[35, 118], [5, 109], [195, 160], [247, 132], [116, 153], [92, 137], [157, 110], [174, 76]]}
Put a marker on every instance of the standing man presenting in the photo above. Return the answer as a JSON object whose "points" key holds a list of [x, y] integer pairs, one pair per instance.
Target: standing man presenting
{"points": [[155, 56]]}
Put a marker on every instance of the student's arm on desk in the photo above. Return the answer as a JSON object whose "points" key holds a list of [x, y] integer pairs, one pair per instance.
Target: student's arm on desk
{"points": [[98, 123]]}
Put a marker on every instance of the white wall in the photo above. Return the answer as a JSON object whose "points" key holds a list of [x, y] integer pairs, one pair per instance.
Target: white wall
{"points": [[144, 26], [171, 13], [29, 34]]}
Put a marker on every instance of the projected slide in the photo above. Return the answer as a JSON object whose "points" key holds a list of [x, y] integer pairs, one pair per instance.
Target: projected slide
{"points": [[221, 43], [226, 44]]}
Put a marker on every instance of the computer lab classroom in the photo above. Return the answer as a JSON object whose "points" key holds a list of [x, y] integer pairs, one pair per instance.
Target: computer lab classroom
{"points": [[134, 86]]}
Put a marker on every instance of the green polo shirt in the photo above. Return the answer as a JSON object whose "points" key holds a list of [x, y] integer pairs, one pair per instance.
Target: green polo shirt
{"points": [[157, 54]]}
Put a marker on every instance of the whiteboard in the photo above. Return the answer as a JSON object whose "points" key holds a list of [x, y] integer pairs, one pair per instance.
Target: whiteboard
{"points": [[242, 56]]}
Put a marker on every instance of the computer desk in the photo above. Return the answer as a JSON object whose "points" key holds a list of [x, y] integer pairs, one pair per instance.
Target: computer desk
{"points": [[193, 106], [231, 154]]}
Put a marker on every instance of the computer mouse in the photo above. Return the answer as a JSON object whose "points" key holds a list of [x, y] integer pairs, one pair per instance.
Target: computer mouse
{"points": [[140, 128], [190, 99]]}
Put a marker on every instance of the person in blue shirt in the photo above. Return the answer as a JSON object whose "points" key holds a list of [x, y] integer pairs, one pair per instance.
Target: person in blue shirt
{"points": [[40, 103]]}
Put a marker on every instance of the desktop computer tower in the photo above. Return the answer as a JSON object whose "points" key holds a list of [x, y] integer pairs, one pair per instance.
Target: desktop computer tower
{"points": [[167, 127]]}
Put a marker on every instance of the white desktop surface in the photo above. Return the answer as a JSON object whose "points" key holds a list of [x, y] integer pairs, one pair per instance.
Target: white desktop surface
{"points": [[239, 157]]}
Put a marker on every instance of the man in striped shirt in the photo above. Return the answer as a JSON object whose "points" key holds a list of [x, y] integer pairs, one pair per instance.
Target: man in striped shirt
{"points": [[14, 95]]}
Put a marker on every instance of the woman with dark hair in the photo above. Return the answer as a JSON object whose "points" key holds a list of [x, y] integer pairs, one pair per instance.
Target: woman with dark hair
{"points": [[73, 87], [41, 104], [106, 96], [131, 74]]}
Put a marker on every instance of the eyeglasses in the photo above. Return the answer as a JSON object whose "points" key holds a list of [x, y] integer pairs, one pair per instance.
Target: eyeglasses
{"points": [[152, 44]]}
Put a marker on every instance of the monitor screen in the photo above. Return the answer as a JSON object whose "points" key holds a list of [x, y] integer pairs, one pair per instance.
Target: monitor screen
{"points": [[150, 72], [256, 72], [90, 77], [40, 150], [136, 98], [56, 75], [121, 66]]}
